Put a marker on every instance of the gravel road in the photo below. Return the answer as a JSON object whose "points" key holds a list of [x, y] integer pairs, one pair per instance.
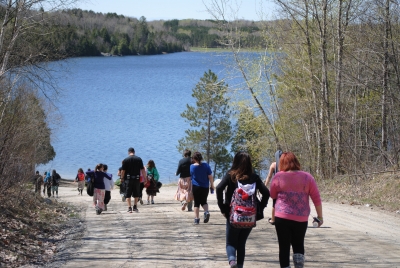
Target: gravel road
{"points": [[161, 235]]}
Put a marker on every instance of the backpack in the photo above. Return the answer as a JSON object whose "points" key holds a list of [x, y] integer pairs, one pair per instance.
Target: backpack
{"points": [[90, 188], [243, 212]]}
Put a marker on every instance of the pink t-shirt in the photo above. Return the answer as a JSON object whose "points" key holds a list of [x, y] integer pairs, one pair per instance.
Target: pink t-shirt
{"points": [[292, 191]]}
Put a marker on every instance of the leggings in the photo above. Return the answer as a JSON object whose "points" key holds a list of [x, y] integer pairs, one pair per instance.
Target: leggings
{"points": [[107, 197], [289, 233], [200, 196]]}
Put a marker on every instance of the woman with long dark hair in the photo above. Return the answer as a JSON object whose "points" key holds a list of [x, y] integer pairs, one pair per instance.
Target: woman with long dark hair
{"points": [[202, 181], [241, 173], [292, 189], [99, 188]]}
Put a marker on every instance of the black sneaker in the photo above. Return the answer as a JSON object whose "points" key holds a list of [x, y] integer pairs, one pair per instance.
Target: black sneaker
{"points": [[206, 217], [135, 208], [130, 210]]}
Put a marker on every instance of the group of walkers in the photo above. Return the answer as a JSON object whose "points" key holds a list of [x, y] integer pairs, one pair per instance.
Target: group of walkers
{"points": [[290, 191], [134, 177], [50, 182]]}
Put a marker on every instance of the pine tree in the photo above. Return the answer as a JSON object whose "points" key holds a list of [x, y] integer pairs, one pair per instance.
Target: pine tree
{"points": [[211, 130]]}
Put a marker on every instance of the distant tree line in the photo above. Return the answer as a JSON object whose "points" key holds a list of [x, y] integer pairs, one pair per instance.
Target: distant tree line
{"points": [[77, 32]]}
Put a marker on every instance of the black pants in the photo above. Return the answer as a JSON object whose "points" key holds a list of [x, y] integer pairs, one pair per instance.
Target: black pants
{"points": [[107, 197], [290, 233], [48, 189]]}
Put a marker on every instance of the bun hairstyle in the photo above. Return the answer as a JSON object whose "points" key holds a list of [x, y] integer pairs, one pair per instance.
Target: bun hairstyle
{"points": [[98, 167]]}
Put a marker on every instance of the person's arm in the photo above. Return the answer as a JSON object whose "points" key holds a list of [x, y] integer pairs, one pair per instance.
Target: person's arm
{"points": [[107, 176], [319, 215], [270, 173], [143, 171], [264, 192], [122, 175], [211, 179], [220, 194], [316, 198], [156, 174], [178, 170]]}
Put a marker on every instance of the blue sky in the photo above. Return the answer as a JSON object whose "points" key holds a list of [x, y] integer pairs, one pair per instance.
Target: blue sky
{"points": [[172, 9]]}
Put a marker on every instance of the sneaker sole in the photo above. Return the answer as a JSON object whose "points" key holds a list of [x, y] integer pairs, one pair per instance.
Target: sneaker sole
{"points": [[207, 218]]}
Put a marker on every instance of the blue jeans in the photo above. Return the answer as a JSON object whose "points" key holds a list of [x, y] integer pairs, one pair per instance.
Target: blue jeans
{"points": [[236, 243]]}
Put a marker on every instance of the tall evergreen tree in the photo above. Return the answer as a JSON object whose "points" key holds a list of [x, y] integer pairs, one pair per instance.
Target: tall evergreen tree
{"points": [[211, 129]]}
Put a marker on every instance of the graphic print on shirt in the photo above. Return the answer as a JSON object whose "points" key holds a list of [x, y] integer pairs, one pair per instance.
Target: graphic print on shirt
{"points": [[295, 203]]}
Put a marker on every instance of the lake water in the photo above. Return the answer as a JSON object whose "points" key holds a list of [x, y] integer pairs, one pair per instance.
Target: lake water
{"points": [[109, 104]]}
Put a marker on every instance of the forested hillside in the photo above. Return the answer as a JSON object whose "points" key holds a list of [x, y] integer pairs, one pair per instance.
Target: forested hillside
{"points": [[86, 33]]}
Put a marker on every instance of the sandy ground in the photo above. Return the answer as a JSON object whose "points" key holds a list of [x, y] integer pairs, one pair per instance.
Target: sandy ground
{"points": [[161, 235]]}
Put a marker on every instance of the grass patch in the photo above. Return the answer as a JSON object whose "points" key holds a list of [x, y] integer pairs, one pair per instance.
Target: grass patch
{"points": [[380, 191]]}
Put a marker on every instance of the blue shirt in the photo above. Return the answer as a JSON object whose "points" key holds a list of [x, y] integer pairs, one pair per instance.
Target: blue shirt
{"points": [[199, 174]]}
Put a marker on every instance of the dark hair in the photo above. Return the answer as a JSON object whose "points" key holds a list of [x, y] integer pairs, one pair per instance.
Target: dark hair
{"points": [[289, 161], [241, 167], [197, 157], [80, 170], [105, 167], [37, 171], [53, 173], [131, 150], [151, 164], [98, 167], [187, 153]]}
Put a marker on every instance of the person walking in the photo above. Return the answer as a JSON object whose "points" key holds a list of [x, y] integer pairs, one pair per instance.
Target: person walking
{"points": [[99, 189], [47, 184], [80, 179], [292, 189], [153, 176], [108, 186], [241, 173], [273, 169], [132, 168], [202, 181], [37, 181], [55, 182], [184, 192], [142, 180]]}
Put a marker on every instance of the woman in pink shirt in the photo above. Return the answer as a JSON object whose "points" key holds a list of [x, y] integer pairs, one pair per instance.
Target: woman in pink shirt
{"points": [[292, 189]]}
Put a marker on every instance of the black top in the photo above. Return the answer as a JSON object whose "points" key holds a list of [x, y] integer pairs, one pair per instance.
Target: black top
{"points": [[184, 167], [132, 165], [55, 179], [227, 181]]}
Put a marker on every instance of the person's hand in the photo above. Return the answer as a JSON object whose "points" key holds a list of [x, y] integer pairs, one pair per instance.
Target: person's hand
{"points": [[321, 221]]}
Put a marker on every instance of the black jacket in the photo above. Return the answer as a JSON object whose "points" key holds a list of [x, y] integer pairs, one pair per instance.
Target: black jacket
{"points": [[184, 167], [227, 181]]}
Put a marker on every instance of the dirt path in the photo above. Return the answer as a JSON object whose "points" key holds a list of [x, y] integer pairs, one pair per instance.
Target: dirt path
{"points": [[161, 235]]}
